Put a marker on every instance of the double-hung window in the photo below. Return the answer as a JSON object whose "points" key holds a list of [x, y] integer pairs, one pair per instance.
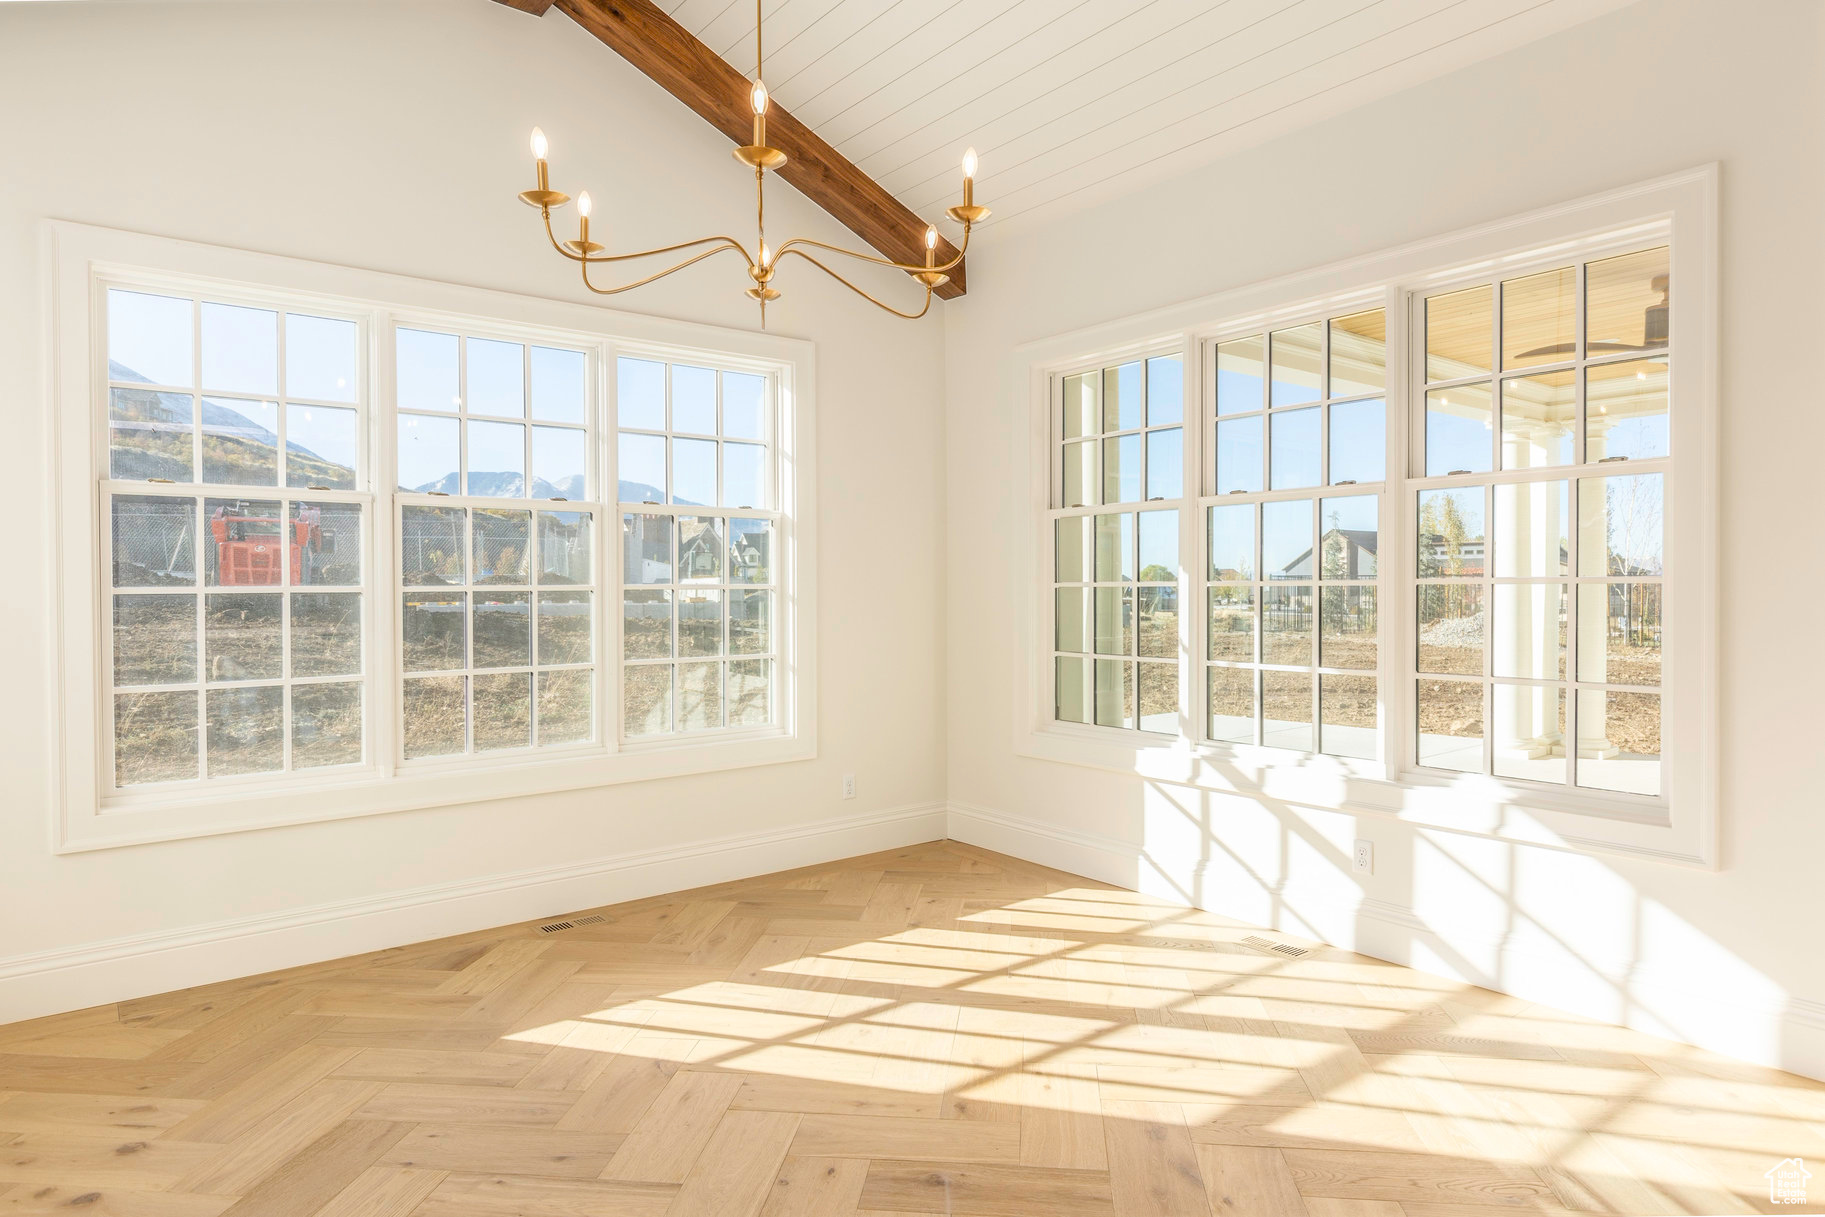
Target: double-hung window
{"points": [[1117, 499], [699, 535], [1292, 534], [348, 543], [1453, 518], [235, 538], [1538, 554], [496, 542]]}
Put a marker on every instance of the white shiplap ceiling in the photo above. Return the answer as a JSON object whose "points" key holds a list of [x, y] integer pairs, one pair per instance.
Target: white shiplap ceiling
{"points": [[1072, 100]]}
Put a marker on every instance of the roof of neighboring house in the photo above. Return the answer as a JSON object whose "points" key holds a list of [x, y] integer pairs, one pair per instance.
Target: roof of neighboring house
{"points": [[1364, 539], [1361, 538]]}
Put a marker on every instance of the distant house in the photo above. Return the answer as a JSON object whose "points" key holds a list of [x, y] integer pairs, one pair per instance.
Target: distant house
{"points": [[749, 558], [1435, 558], [702, 555], [647, 548], [1349, 553]]}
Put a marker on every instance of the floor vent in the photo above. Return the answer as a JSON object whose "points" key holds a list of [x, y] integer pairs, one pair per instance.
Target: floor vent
{"points": [[573, 923], [1278, 948]]}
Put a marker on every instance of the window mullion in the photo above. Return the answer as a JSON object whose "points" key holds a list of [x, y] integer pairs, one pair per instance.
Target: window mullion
{"points": [[765, 597], [1574, 510], [610, 675], [1192, 588], [1393, 593]]}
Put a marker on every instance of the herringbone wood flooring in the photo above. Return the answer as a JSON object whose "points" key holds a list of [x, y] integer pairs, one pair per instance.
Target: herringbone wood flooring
{"points": [[932, 1030]]}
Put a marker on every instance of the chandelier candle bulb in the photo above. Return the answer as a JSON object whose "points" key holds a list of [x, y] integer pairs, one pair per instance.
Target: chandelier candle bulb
{"points": [[542, 195], [540, 150], [583, 247], [931, 244], [967, 213]]}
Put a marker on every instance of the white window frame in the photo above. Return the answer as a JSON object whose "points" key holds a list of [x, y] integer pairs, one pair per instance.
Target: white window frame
{"points": [[198, 491], [1406, 583], [1680, 210], [468, 672], [1264, 327], [80, 260], [1057, 510], [725, 587], [494, 329]]}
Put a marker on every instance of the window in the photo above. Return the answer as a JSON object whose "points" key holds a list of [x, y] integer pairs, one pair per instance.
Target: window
{"points": [[1454, 550], [491, 418], [1291, 571], [341, 545], [698, 543], [1120, 436], [236, 550], [497, 626], [1539, 631], [497, 602], [1529, 382], [1299, 642]]}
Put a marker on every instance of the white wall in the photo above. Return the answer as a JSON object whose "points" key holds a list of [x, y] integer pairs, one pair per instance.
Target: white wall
{"points": [[392, 136], [1731, 959]]}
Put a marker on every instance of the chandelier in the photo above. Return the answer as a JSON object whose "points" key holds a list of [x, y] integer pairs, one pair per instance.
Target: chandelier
{"points": [[764, 262]]}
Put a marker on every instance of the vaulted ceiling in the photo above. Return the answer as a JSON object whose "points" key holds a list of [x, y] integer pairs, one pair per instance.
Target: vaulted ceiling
{"points": [[1071, 100]]}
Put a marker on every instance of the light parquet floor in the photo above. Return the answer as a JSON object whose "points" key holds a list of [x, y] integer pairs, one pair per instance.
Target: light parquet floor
{"points": [[935, 1029]]}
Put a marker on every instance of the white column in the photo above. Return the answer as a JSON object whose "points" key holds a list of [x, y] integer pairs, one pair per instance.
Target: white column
{"points": [[1593, 627], [1526, 722]]}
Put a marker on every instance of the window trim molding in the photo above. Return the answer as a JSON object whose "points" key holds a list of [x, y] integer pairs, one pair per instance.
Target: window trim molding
{"points": [[76, 257], [1683, 208]]}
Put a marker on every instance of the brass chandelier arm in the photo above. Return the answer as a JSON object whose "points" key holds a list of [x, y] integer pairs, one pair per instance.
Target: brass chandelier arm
{"points": [[909, 268], [628, 287], [852, 287], [727, 242]]}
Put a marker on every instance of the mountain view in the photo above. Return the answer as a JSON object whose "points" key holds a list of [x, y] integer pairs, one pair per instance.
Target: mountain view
{"points": [[150, 438], [505, 485]]}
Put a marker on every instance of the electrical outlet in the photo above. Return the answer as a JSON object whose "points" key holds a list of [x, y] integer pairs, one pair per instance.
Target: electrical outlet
{"points": [[1364, 861], [849, 785]]}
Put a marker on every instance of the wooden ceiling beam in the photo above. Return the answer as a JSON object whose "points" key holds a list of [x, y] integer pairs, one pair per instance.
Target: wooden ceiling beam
{"points": [[644, 35]]}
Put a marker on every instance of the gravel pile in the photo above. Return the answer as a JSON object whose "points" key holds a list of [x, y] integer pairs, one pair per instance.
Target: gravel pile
{"points": [[1453, 632]]}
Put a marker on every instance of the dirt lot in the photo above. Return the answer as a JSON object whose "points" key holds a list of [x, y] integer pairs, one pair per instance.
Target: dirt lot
{"points": [[649, 706], [155, 643], [1631, 722], [503, 710]]}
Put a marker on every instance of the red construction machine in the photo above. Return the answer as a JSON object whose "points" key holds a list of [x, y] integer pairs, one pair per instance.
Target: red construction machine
{"points": [[248, 547]]}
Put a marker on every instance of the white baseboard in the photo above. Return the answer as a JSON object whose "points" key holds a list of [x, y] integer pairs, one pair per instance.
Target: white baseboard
{"points": [[53, 982], [1787, 1035]]}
